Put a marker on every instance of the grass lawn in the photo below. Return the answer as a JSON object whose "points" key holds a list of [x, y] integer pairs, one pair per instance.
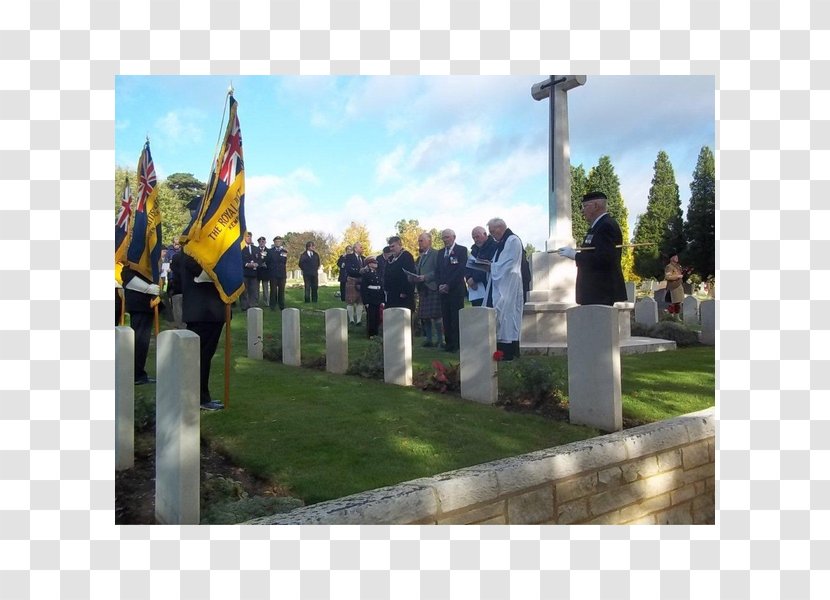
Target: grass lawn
{"points": [[325, 436]]}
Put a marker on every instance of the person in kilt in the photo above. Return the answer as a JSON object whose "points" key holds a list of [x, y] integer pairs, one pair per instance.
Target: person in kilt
{"points": [[429, 301]]}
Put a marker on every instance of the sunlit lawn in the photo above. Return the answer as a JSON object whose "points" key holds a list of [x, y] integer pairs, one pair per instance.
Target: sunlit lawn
{"points": [[325, 436]]}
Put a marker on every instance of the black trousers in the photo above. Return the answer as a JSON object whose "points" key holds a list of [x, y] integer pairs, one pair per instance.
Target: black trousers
{"points": [[450, 305], [310, 282], [277, 293], [209, 334], [250, 297], [372, 319], [142, 324], [479, 302]]}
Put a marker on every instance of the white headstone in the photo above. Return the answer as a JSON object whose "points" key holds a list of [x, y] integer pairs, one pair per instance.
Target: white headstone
{"points": [[594, 389], [397, 346], [691, 306], [254, 316], [322, 277], [645, 311], [707, 322], [337, 341], [479, 372], [124, 397], [291, 337], [177, 428], [631, 291]]}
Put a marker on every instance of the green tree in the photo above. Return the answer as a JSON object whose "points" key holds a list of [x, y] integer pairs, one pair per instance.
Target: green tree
{"points": [[409, 230], [661, 225], [602, 178], [355, 232], [295, 245], [700, 218], [174, 214], [579, 187]]}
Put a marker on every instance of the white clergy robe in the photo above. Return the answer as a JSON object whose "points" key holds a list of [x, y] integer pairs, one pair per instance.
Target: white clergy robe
{"points": [[508, 296]]}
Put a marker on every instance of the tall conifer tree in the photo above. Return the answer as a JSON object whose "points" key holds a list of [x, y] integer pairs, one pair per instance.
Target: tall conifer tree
{"points": [[661, 224], [700, 218], [579, 185]]}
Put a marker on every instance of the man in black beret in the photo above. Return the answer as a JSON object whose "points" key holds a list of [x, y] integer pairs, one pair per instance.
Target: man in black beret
{"points": [[599, 277]]}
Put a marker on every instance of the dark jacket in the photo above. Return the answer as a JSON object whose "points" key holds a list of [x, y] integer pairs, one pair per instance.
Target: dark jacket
{"points": [[395, 282], [341, 265], [371, 287], [250, 254], [277, 257], [309, 265], [451, 270], [599, 277], [262, 261], [135, 301], [174, 279], [485, 252], [352, 265], [201, 302]]}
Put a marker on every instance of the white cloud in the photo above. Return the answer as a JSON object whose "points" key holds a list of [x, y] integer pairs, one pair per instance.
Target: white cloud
{"points": [[178, 128]]}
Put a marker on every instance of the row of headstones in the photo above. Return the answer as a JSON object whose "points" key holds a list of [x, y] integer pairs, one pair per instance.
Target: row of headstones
{"points": [[694, 313], [594, 386], [477, 343]]}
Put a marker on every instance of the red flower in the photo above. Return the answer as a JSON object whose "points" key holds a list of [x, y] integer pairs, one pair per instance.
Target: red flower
{"points": [[498, 355]]}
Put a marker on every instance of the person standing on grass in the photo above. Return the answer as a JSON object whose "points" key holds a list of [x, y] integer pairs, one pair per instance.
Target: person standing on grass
{"points": [[429, 300], [310, 266], [504, 290], [371, 291], [599, 277], [353, 264], [277, 257], [204, 313], [449, 275], [400, 292]]}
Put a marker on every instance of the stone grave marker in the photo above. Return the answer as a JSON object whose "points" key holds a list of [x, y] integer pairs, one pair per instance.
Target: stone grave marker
{"points": [[124, 397], [594, 389], [479, 372], [645, 311], [397, 346], [337, 341], [177, 428], [291, 337], [254, 316]]}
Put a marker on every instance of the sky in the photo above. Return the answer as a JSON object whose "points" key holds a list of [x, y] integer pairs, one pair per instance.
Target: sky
{"points": [[451, 152]]}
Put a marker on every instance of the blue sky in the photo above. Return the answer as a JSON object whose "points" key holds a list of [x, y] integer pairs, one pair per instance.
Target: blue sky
{"points": [[452, 151]]}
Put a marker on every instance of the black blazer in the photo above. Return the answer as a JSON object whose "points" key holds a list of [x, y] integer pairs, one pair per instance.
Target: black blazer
{"points": [[309, 265], [451, 270], [250, 254], [599, 277], [201, 302], [277, 257], [395, 282], [484, 252]]}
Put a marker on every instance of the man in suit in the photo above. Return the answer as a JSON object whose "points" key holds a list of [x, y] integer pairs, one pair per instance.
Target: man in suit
{"points": [[250, 265], [310, 265], [204, 313], [262, 271], [449, 275], [599, 278], [277, 257]]}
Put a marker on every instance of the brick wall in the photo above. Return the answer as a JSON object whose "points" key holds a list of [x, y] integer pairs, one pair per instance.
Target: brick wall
{"points": [[661, 473]]}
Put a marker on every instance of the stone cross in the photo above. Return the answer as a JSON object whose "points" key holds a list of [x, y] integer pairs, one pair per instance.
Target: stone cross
{"points": [[559, 168]]}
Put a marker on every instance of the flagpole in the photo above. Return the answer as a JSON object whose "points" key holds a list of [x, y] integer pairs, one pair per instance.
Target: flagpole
{"points": [[227, 353], [156, 319], [123, 307]]}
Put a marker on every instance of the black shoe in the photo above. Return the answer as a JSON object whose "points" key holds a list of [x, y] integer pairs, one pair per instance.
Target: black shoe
{"points": [[145, 379], [359, 324], [212, 406], [428, 344]]}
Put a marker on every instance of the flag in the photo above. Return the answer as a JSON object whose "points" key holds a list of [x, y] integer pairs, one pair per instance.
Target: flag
{"points": [[215, 235], [122, 230], [144, 251]]}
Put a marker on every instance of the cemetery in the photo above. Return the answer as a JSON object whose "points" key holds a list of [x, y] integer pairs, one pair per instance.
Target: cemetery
{"points": [[605, 417], [285, 422]]}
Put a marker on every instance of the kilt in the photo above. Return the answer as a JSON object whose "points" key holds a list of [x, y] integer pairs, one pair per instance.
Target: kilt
{"points": [[429, 303], [352, 291]]}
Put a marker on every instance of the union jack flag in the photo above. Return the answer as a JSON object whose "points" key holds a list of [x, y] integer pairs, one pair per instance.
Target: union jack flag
{"points": [[144, 252], [122, 229], [215, 235]]}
